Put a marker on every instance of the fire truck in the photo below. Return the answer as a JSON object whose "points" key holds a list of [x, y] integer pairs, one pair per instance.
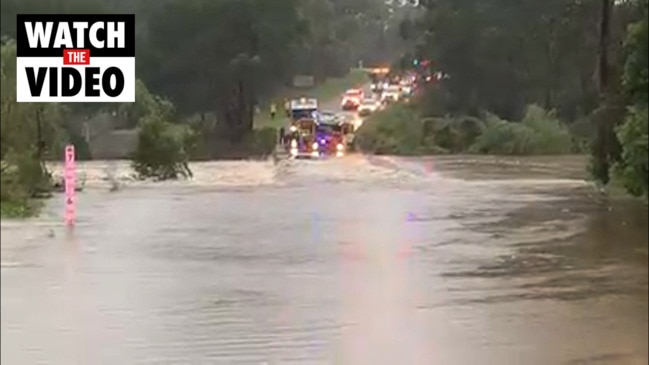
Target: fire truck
{"points": [[313, 134]]}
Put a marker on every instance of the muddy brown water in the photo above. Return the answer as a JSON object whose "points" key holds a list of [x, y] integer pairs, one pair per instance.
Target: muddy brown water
{"points": [[377, 260]]}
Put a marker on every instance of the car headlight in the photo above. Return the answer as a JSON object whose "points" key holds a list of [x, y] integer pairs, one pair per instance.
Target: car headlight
{"points": [[293, 144], [340, 147], [314, 146]]}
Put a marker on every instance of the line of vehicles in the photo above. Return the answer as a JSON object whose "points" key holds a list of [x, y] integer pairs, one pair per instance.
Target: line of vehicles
{"points": [[313, 133], [385, 88]]}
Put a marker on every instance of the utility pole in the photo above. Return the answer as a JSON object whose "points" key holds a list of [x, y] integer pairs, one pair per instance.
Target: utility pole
{"points": [[602, 148], [604, 35], [86, 132]]}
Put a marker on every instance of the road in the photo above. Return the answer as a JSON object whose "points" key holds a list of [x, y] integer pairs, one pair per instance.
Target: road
{"points": [[359, 260]]}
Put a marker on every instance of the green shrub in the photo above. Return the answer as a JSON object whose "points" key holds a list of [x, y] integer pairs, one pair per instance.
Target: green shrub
{"points": [[452, 134], [633, 170], [23, 178], [26, 171], [539, 133], [11, 189], [395, 130], [161, 152], [550, 136], [399, 130], [502, 137]]}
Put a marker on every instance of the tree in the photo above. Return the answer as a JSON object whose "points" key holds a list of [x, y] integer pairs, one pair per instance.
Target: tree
{"points": [[161, 152], [29, 133], [504, 55], [633, 166]]}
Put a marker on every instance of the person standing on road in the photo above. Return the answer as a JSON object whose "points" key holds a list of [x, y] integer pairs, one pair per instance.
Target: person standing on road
{"points": [[273, 111], [287, 107], [281, 136]]}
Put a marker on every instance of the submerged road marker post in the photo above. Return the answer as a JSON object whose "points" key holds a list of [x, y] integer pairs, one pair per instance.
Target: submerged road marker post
{"points": [[70, 182]]}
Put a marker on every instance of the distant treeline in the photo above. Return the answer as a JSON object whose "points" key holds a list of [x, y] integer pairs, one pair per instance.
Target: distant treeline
{"points": [[582, 61]]}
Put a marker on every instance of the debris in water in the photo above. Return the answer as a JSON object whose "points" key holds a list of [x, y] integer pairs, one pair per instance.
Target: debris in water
{"points": [[114, 186], [110, 174]]}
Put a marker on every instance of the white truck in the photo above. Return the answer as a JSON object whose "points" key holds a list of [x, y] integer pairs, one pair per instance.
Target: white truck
{"points": [[391, 93]]}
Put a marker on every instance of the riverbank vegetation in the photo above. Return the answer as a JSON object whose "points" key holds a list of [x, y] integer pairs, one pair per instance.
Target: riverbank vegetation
{"points": [[401, 130], [527, 78], [633, 166], [23, 177]]}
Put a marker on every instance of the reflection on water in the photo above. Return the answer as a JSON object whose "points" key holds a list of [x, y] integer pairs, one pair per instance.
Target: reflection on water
{"points": [[353, 261]]}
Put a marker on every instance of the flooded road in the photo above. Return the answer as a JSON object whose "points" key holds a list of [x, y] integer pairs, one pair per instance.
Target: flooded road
{"points": [[362, 260]]}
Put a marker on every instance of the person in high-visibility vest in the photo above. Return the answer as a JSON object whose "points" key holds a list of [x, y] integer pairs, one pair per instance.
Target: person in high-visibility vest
{"points": [[287, 107], [273, 111]]}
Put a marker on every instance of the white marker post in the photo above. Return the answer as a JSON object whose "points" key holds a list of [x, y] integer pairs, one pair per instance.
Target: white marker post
{"points": [[70, 182]]}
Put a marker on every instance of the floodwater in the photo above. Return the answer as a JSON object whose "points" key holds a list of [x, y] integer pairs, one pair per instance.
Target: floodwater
{"points": [[360, 260]]}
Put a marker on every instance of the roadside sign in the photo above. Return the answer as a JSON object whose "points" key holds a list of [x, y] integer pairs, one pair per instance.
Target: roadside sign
{"points": [[69, 177]]}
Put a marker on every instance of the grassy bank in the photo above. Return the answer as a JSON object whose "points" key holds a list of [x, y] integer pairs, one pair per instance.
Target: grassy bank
{"points": [[20, 209], [325, 92], [23, 184]]}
